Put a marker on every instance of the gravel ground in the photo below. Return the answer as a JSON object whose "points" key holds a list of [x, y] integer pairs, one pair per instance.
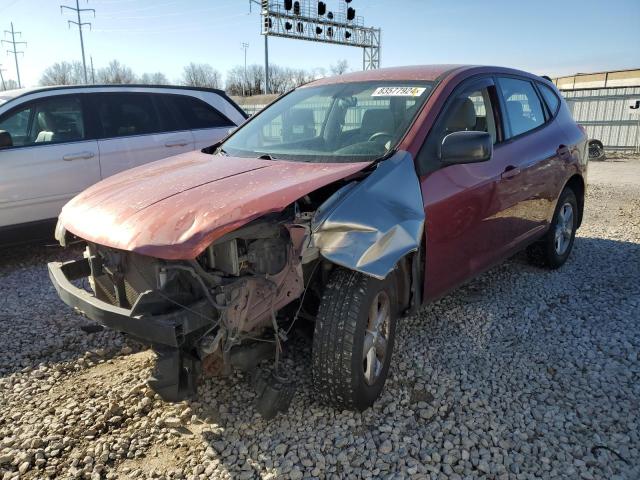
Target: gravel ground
{"points": [[523, 373]]}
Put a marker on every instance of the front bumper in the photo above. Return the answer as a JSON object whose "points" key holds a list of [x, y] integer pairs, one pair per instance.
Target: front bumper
{"points": [[172, 329]]}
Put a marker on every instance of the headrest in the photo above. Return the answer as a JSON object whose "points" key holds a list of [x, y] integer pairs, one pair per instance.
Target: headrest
{"points": [[464, 117], [377, 120]]}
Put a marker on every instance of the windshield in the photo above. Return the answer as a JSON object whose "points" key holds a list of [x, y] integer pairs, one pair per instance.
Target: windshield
{"points": [[332, 123]]}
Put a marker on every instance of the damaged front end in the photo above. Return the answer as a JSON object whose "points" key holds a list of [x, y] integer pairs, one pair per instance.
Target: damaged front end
{"points": [[235, 303]]}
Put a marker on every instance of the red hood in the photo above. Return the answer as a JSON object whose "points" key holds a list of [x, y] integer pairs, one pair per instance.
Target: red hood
{"points": [[175, 208]]}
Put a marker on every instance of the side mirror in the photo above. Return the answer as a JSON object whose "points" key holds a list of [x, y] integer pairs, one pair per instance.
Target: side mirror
{"points": [[5, 139], [466, 147]]}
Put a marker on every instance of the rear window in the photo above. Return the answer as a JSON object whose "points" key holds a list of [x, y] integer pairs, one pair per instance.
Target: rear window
{"points": [[198, 114], [550, 97]]}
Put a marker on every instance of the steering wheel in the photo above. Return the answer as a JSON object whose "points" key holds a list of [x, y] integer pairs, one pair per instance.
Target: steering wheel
{"points": [[378, 135]]}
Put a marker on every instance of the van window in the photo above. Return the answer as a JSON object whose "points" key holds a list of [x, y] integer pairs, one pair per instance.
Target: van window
{"points": [[126, 114], [198, 114], [49, 120], [16, 124], [524, 108]]}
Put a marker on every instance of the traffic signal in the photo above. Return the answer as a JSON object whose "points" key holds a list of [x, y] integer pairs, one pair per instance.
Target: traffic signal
{"points": [[288, 4], [296, 8], [351, 13], [322, 8]]}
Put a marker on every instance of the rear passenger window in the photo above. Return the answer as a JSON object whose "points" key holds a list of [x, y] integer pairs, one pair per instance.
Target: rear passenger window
{"points": [[524, 109], [550, 97], [198, 114], [126, 114]]}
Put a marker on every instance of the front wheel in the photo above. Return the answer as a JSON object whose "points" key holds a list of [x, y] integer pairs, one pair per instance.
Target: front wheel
{"points": [[554, 248], [353, 339]]}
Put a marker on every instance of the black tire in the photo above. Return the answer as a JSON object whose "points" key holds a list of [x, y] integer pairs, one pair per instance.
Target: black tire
{"points": [[545, 252], [596, 150], [338, 359]]}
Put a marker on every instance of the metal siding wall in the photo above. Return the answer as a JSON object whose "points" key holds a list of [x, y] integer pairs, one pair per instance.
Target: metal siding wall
{"points": [[605, 113]]}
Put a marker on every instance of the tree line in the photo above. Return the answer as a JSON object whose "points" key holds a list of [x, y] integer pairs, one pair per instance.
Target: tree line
{"points": [[237, 81]]}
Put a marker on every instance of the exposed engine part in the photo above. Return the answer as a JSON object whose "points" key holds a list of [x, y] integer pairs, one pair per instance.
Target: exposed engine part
{"points": [[175, 374], [248, 357], [252, 299], [267, 256], [274, 393], [224, 257]]}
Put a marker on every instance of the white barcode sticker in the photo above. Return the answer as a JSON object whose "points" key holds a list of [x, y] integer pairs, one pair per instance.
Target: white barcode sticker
{"points": [[398, 92]]}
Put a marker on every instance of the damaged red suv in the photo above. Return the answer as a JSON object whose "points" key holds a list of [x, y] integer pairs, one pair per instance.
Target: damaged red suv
{"points": [[347, 203]]}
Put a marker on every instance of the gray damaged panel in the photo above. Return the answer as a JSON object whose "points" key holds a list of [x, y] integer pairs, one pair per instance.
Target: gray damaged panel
{"points": [[369, 226]]}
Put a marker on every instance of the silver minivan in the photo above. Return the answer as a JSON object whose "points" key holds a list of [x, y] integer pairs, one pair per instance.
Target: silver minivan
{"points": [[57, 141]]}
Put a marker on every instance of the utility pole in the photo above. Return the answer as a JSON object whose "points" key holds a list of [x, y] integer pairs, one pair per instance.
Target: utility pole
{"points": [[93, 72], [15, 51], [245, 46], [80, 24], [4, 87], [264, 5]]}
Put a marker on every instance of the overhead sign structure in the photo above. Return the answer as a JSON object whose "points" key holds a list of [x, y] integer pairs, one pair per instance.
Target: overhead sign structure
{"points": [[313, 21]]}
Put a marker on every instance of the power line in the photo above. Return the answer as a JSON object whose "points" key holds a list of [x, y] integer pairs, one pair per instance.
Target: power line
{"points": [[80, 24], [15, 51]]}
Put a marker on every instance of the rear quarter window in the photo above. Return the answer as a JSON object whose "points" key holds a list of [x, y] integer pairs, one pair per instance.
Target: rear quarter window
{"points": [[197, 113], [550, 98]]}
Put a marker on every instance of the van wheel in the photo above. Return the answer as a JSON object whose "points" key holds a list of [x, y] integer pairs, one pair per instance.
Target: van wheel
{"points": [[554, 248], [353, 339]]}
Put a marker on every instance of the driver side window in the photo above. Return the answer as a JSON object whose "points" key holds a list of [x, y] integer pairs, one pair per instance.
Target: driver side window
{"points": [[471, 111], [468, 110]]}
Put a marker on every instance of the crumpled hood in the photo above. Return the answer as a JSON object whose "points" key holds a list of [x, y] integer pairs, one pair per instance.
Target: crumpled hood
{"points": [[175, 208]]}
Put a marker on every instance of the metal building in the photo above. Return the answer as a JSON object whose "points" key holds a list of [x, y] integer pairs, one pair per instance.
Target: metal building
{"points": [[607, 104]]}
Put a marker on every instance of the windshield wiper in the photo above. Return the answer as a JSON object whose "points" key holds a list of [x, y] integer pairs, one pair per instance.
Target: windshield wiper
{"points": [[267, 156]]}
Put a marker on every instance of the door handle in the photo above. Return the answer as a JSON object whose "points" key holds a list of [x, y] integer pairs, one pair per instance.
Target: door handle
{"points": [[177, 143], [510, 172], [78, 156]]}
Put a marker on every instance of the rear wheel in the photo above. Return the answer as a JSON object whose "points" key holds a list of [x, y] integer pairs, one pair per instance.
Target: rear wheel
{"points": [[554, 248], [353, 339]]}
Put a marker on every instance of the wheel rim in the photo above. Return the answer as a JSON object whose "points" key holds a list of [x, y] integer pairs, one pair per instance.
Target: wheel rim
{"points": [[564, 228], [376, 337]]}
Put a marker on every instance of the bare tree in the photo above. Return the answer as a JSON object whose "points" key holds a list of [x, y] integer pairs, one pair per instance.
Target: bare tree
{"points": [[255, 79], [201, 75], [115, 73], [342, 66], [157, 78], [63, 73], [9, 84], [235, 80]]}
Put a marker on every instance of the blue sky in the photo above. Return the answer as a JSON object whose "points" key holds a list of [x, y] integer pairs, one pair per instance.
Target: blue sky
{"points": [[546, 37]]}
